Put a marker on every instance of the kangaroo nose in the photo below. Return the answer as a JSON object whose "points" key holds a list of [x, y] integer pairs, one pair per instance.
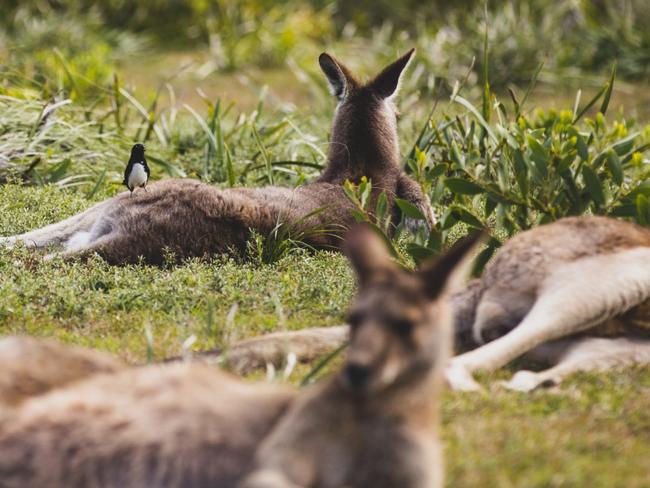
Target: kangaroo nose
{"points": [[357, 375]]}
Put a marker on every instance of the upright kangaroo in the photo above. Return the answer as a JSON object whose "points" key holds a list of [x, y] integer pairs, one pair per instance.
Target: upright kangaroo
{"points": [[375, 423], [191, 218]]}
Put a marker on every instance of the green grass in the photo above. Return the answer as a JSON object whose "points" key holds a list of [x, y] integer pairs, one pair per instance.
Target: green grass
{"points": [[593, 431]]}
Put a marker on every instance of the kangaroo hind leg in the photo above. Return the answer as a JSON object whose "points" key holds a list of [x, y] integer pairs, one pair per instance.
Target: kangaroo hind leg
{"points": [[57, 233], [585, 354], [571, 300]]}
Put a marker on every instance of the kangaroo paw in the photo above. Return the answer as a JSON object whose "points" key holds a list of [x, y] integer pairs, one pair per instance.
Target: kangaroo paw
{"points": [[460, 379], [527, 381]]}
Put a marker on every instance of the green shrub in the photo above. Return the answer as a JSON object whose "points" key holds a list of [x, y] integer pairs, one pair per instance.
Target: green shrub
{"points": [[513, 171]]}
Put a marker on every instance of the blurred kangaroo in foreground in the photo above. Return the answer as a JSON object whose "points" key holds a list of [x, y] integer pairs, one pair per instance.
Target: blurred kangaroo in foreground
{"points": [[574, 294], [190, 218], [375, 423]]}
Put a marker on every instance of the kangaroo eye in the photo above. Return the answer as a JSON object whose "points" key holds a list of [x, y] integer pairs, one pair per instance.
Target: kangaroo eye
{"points": [[403, 327]]}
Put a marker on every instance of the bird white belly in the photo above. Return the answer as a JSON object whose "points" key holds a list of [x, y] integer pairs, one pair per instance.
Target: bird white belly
{"points": [[138, 176]]}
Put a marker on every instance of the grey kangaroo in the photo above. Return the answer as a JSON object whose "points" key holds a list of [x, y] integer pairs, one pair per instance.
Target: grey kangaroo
{"points": [[375, 423], [190, 218], [574, 293]]}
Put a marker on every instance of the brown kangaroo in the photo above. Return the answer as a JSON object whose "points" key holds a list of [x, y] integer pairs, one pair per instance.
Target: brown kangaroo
{"points": [[190, 218], [375, 423], [574, 294]]}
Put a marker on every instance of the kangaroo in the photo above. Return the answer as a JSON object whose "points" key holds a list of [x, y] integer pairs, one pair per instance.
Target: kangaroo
{"points": [[375, 423], [574, 294], [191, 219]]}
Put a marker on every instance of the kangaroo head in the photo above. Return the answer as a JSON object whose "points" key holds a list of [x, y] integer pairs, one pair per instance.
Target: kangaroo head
{"points": [[400, 324], [364, 132]]}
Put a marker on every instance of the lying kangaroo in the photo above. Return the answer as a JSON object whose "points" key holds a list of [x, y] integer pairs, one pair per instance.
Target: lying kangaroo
{"points": [[190, 218], [574, 294], [375, 423]]}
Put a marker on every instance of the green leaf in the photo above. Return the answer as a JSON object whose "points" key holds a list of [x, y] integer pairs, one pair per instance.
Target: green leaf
{"points": [[625, 145], [349, 190], [539, 156], [382, 205], [468, 217], [365, 187], [359, 216], [409, 210], [625, 210], [437, 171], [641, 189], [614, 166], [170, 169], [484, 256], [581, 146], [593, 184], [479, 117], [531, 86], [608, 93], [490, 205], [460, 186], [435, 241], [521, 172], [454, 153], [514, 101], [591, 103], [536, 148], [486, 62], [565, 163], [448, 220]]}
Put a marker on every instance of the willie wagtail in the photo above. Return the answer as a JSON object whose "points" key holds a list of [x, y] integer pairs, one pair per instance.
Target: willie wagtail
{"points": [[137, 171]]}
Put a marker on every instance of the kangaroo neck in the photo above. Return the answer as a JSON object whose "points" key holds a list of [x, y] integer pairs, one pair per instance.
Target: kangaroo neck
{"points": [[364, 142], [413, 400]]}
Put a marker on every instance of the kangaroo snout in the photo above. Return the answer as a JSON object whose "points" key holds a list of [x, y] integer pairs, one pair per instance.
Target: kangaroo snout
{"points": [[357, 376]]}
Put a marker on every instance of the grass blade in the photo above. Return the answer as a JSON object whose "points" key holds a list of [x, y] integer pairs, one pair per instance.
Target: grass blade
{"points": [[608, 93]]}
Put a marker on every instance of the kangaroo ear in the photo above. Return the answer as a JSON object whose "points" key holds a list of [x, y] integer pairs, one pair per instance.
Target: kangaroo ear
{"points": [[447, 272], [387, 82], [338, 75], [367, 253]]}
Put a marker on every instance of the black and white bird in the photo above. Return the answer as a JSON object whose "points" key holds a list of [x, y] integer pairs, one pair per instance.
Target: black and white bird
{"points": [[137, 171]]}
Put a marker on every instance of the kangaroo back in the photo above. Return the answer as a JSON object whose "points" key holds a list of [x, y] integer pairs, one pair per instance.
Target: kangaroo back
{"points": [[30, 367]]}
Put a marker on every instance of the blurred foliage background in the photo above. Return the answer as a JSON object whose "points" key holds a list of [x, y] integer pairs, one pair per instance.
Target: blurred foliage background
{"points": [[584, 35]]}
